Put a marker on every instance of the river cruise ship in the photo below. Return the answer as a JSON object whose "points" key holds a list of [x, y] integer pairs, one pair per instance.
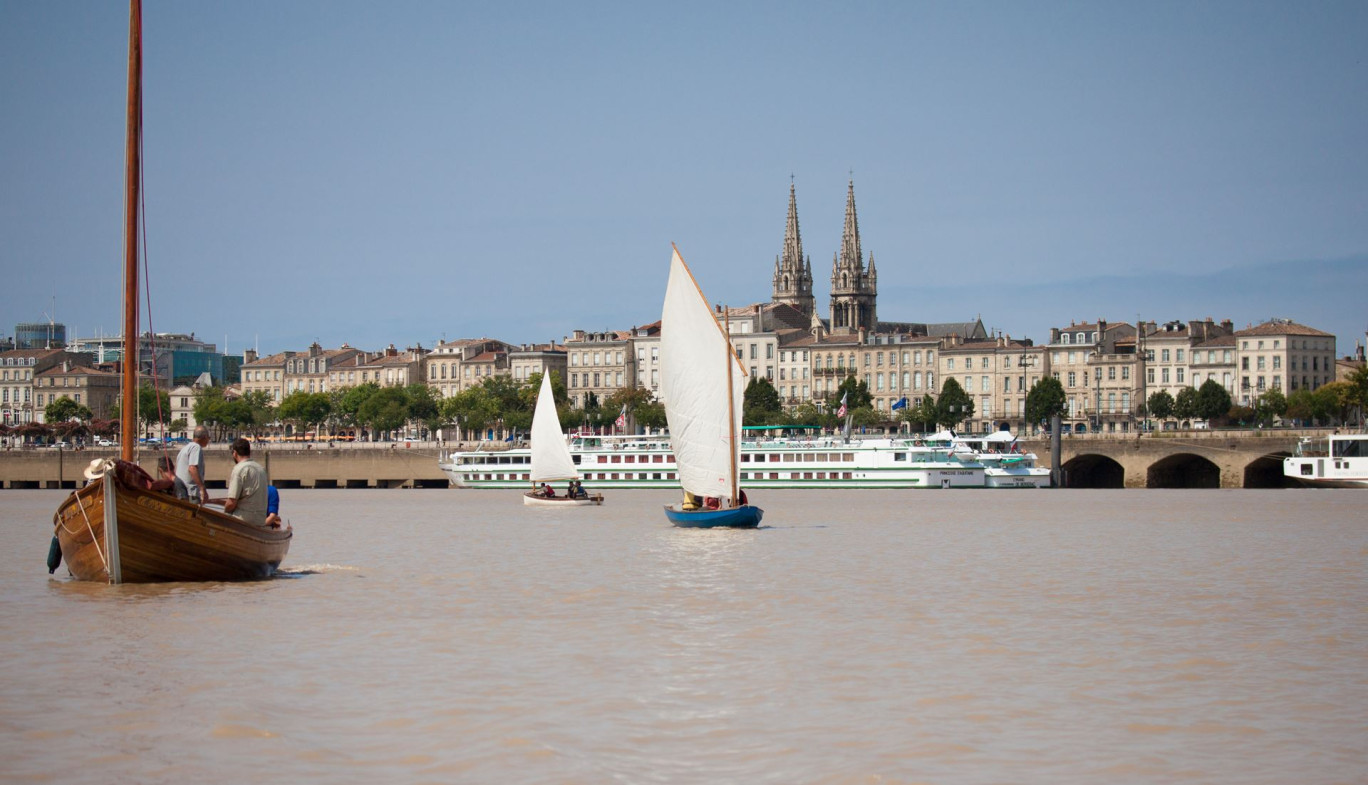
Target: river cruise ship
{"points": [[1005, 465], [1338, 461], [823, 462]]}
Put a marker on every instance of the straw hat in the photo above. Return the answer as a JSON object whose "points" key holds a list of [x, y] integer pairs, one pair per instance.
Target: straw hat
{"points": [[96, 469]]}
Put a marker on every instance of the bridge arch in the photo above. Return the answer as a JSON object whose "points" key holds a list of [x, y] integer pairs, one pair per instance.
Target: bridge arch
{"points": [[1266, 471], [1093, 471], [1183, 470]]}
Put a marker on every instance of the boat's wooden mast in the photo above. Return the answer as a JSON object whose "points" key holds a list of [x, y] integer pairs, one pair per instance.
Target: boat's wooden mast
{"points": [[128, 410], [731, 405]]}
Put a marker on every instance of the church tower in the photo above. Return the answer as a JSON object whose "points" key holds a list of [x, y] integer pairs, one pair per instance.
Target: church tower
{"points": [[854, 287], [793, 272]]}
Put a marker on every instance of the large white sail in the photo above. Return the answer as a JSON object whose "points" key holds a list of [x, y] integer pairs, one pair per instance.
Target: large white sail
{"points": [[694, 355], [550, 454]]}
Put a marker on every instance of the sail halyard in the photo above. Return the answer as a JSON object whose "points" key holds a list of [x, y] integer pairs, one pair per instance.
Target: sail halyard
{"points": [[703, 429], [551, 459], [128, 411]]}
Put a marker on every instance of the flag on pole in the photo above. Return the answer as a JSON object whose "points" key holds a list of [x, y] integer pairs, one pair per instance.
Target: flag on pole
{"points": [[621, 421], [841, 412], [901, 403]]}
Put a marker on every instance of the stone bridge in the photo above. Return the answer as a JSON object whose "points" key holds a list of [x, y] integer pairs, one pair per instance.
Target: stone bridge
{"points": [[1188, 459]]}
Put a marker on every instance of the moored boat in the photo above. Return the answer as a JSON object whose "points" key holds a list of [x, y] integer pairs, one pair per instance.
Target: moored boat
{"points": [[1335, 461]]}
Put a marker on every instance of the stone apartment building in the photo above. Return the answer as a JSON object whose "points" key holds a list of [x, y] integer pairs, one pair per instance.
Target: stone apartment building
{"points": [[1097, 364], [96, 389], [452, 365], [1282, 355], [387, 368], [646, 344], [1180, 354], [19, 369], [997, 373], [529, 359], [599, 364], [264, 374]]}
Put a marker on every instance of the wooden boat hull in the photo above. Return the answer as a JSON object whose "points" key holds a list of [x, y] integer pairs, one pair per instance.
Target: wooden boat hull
{"points": [[158, 538], [532, 500], [744, 517]]}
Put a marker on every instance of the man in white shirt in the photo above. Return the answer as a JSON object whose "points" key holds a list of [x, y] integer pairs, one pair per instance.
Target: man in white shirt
{"points": [[190, 466]]}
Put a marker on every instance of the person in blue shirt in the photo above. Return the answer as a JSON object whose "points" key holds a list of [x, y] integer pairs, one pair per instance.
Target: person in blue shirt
{"points": [[273, 519]]}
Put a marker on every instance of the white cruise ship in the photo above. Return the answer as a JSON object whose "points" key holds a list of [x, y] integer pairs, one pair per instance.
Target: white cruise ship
{"points": [[647, 462], [1338, 461]]}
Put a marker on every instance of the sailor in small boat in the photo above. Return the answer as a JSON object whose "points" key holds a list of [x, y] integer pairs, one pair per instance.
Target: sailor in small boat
{"points": [[691, 502], [548, 491], [246, 486]]}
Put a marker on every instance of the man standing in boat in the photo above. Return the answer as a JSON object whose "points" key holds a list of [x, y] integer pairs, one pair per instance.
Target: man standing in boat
{"points": [[190, 466], [246, 486]]}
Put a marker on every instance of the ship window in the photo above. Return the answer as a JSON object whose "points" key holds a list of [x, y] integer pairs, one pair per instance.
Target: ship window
{"points": [[630, 459], [655, 476], [576, 459], [745, 458], [759, 457], [616, 459], [774, 475], [899, 456], [846, 476], [1348, 449], [774, 457], [807, 475]]}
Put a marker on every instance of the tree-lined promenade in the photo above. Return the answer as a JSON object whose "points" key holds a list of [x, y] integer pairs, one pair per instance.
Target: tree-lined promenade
{"points": [[501, 405]]}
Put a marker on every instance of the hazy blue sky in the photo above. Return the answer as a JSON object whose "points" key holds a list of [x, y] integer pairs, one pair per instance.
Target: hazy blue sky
{"points": [[398, 172]]}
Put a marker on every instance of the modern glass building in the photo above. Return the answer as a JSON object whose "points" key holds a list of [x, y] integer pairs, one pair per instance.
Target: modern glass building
{"points": [[39, 335]]}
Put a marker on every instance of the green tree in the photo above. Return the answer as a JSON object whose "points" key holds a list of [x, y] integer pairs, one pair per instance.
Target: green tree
{"points": [[922, 416], [385, 410], [352, 401], [1160, 405], [809, 414], [472, 409], [65, 409], [866, 417], [1213, 400], [1045, 400], [650, 414], [305, 409], [1270, 405], [1358, 391], [761, 403], [855, 392], [424, 406], [955, 405], [1302, 406], [1185, 403]]}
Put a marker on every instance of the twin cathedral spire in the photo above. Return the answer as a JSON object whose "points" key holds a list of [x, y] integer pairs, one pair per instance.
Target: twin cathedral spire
{"points": [[854, 286]]}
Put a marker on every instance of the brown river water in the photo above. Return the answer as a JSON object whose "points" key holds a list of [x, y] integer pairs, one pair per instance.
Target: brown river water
{"points": [[445, 636]]}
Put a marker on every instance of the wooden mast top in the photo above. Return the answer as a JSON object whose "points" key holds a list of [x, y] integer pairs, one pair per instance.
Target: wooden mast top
{"points": [[128, 410]]}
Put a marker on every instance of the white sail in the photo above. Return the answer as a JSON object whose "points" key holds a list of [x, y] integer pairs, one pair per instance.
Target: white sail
{"points": [[550, 454], [705, 422]]}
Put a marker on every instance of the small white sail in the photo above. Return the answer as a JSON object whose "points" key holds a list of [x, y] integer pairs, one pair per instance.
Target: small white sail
{"points": [[550, 454], [694, 353]]}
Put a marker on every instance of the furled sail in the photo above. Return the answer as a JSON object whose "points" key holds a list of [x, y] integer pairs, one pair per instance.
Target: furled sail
{"points": [[705, 421]]}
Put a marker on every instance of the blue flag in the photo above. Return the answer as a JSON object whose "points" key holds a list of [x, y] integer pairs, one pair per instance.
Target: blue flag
{"points": [[900, 404]]}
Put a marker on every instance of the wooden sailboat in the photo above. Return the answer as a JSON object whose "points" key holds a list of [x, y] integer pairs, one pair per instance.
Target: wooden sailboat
{"points": [[551, 460], [703, 384], [115, 529]]}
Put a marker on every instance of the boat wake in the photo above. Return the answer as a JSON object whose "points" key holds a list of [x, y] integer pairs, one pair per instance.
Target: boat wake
{"points": [[313, 569]]}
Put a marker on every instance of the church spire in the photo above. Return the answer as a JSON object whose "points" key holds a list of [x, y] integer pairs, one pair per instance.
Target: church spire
{"points": [[850, 238], [853, 287], [792, 272]]}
